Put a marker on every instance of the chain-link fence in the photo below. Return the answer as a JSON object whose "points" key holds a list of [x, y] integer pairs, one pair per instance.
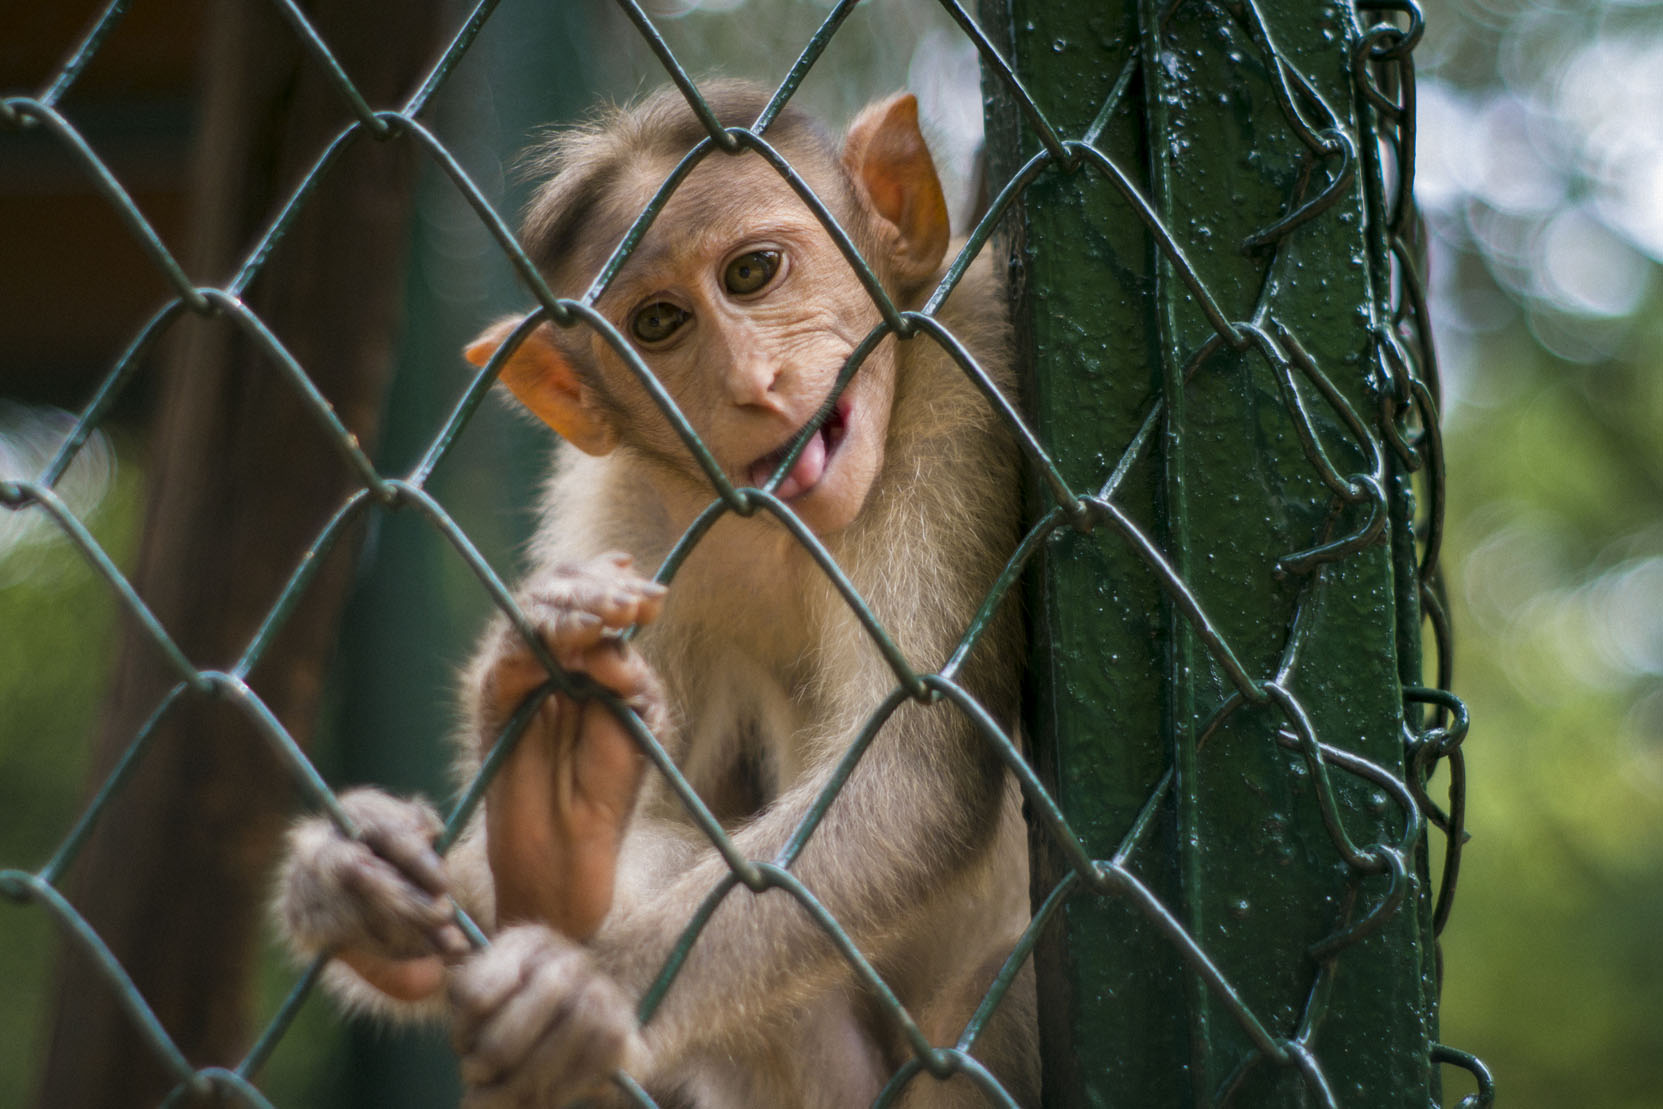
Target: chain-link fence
{"points": [[1362, 565]]}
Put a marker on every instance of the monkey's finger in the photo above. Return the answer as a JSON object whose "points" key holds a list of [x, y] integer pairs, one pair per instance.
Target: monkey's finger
{"points": [[577, 1055], [631, 602], [614, 595], [396, 916], [538, 1012], [412, 855], [501, 988], [486, 981], [370, 807], [561, 627], [650, 602], [400, 831], [573, 627], [616, 667], [608, 1035]]}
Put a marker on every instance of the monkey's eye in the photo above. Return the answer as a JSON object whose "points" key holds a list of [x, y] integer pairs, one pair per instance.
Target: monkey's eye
{"points": [[750, 272], [658, 321]]}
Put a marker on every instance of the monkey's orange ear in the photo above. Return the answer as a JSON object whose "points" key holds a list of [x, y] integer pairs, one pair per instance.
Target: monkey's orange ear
{"points": [[886, 155], [540, 374]]}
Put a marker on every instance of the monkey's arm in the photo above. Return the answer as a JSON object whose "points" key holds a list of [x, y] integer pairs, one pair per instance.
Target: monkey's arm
{"points": [[916, 817], [557, 808], [381, 902]]}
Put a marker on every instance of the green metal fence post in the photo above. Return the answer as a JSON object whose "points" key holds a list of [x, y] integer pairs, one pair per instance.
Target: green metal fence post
{"points": [[1223, 722]]}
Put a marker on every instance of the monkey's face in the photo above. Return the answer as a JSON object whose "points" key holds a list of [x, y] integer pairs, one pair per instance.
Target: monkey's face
{"points": [[743, 307]]}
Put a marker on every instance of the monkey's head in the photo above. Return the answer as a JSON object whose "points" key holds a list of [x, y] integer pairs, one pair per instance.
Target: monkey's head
{"points": [[736, 298]]}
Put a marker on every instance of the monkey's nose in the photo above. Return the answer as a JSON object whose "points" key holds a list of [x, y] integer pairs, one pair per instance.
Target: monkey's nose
{"points": [[755, 384]]}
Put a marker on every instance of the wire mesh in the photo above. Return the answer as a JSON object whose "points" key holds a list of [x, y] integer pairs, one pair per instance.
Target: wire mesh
{"points": [[1381, 38]]}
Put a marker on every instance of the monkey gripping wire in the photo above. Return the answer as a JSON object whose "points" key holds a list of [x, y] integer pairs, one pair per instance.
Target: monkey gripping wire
{"points": [[1385, 33]]}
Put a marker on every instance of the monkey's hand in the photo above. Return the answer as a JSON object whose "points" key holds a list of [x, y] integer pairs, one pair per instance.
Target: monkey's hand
{"points": [[537, 1023], [378, 902], [556, 810]]}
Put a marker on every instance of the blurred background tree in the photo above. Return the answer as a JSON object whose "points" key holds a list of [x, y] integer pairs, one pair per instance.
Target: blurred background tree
{"points": [[1541, 174], [1541, 177]]}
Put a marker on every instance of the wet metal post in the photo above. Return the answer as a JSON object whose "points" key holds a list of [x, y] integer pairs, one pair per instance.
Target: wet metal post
{"points": [[1225, 693]]}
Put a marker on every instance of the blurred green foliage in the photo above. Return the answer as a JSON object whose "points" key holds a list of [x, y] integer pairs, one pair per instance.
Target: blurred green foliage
{"points": [[1542, 178], [57, 639]]}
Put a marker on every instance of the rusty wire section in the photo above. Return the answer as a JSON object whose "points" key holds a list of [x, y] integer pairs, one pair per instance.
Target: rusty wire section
{"points": [[1405, 424]]}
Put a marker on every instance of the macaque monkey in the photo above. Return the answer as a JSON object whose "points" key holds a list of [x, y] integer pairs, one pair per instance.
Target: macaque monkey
{"points": [[749, 667]]}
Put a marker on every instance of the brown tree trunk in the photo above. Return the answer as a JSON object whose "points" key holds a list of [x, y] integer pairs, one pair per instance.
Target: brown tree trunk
{"points": [[242, 478]]}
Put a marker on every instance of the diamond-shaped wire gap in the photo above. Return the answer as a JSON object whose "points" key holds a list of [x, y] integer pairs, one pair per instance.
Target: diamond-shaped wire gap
{"points": [[1090, 156], [1113, 878], [1361, 488], [341, 439], [109, 389], [775, 877], [992, 59], [80, 935], [1002, 405], [16, 495], [312, 43], [810, 54], [113, 192], [280, 223]]}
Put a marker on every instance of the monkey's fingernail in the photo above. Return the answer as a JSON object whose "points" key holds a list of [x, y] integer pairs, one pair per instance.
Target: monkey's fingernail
{"points": [[586, 620], [654, 588], [621, 599]]}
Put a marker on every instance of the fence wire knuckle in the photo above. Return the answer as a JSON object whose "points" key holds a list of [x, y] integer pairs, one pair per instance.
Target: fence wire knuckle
{"points": [[1366, 440]]}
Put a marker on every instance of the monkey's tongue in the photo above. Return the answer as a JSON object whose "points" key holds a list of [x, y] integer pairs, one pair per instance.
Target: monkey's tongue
{"points": [[804, 475]]}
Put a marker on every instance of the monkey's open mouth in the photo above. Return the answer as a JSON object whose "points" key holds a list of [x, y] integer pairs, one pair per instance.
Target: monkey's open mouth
{"points": [[810, 466]]}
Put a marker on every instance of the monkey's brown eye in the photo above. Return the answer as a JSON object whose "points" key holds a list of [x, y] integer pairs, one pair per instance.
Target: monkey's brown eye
{"points": [[658, 321], [750, 272]]}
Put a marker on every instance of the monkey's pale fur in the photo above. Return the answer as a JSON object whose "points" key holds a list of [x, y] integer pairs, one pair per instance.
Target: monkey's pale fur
{"points": [[768, 676]]}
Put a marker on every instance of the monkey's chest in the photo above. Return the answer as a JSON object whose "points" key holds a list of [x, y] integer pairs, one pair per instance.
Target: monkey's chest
{"points": [[744, 740]]}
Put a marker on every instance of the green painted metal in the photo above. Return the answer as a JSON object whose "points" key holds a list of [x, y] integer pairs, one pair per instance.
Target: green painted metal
{"points": [[1206, 293]]}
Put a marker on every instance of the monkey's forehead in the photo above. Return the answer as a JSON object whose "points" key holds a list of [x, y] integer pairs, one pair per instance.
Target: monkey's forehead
{"points": [[722, 199]]}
